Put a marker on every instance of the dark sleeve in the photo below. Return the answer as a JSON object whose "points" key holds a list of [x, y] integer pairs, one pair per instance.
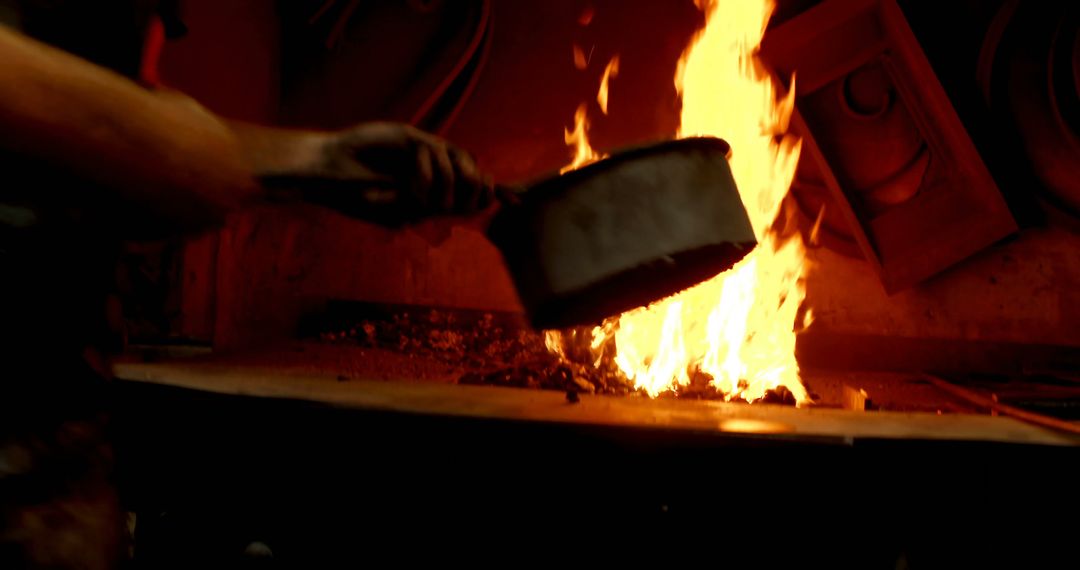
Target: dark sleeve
{"points": [[10, 14], [109, 33]]}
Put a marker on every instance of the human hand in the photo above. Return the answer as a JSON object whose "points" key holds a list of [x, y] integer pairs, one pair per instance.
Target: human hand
{"points": [[398, 168]]}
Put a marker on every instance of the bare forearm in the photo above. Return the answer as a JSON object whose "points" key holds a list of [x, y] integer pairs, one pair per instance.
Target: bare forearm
{"points": [[163, 153], [271, 150]]}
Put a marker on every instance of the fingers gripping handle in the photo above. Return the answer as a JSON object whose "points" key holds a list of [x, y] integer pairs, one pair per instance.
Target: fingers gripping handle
{"points": [[386, 203]]}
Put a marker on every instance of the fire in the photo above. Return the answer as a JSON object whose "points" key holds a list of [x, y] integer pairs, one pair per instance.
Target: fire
{"points": [[738, 328], [611, 72], [578, 139], [553, 342]]}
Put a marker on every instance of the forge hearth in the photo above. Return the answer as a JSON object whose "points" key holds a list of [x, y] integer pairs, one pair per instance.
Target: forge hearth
{"points": [[354, 344], [898, 197], [489, 349], [325, 471]]}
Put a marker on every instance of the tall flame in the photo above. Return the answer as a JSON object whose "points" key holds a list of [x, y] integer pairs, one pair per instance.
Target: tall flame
{"points": [[611, 72], [578, 139], [739, 327]]}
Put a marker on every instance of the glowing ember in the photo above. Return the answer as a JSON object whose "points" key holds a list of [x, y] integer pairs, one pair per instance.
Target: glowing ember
{"points": [[739, 327], [579, 58], [553, 342]]}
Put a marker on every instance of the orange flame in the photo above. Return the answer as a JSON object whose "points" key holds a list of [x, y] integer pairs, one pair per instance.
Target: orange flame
{"points": [[553, 342], [739, 328], [578, 139], [610, 72]]}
